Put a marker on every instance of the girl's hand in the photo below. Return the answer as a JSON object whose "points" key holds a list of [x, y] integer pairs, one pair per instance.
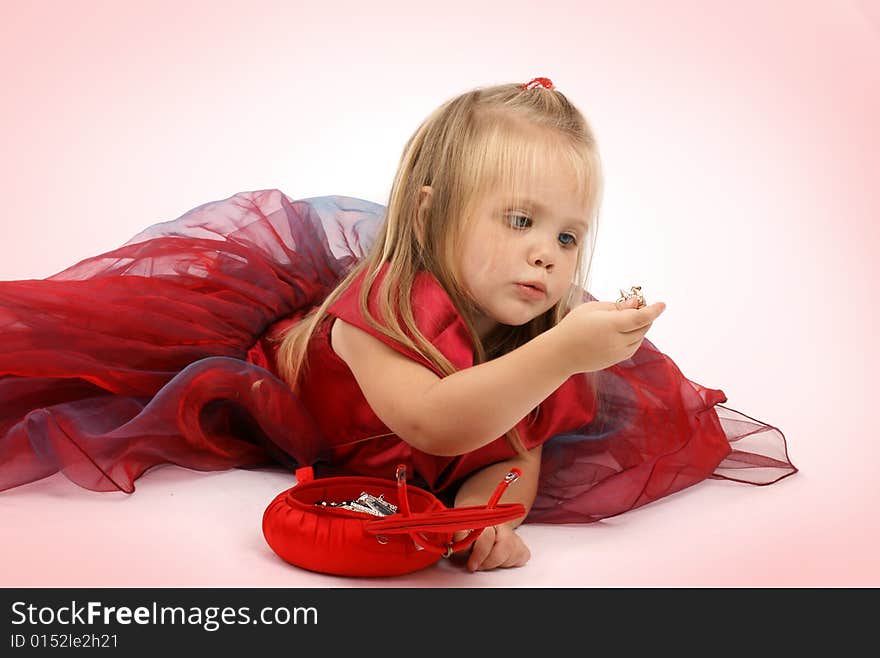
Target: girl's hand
{"points": [[497, 546], [596, 335]]}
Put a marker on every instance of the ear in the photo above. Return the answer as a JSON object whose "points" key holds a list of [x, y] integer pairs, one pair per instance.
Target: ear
{"points": [[426, 196]]}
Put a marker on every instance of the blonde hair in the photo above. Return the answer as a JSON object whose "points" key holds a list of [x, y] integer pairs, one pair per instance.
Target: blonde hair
{"points": [[491, 138]]}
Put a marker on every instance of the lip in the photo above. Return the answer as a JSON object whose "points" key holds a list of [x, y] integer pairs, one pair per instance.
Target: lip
{"points": [[536, 293], [535, 284]]}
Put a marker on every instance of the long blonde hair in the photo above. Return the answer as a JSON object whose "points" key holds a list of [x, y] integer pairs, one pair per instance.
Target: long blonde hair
{"points": [[491, 138]]}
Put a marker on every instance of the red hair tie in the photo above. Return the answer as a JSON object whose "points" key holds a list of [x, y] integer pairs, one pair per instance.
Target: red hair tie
{"points": [[544, 82]]}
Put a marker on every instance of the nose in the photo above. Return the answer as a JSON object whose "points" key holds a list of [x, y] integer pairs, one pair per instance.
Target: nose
{"points": [[541, 255]]}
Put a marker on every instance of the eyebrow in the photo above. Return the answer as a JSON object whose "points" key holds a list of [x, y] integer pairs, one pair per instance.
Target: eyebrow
{"points": [[542, 208]]}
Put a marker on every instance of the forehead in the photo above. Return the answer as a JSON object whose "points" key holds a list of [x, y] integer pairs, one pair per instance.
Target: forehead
{"points": [[533, 167], [554, 191]]}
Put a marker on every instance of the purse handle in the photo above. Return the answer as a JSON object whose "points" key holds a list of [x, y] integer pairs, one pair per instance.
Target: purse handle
{"points": [[474, 518]]}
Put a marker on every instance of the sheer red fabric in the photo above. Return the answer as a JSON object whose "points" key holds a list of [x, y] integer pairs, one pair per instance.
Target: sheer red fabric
{"points": [[157, 352]]}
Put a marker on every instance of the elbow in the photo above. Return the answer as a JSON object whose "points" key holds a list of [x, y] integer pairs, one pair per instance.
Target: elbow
{"points": [[430, 446], [441, 449], [439, 445]]}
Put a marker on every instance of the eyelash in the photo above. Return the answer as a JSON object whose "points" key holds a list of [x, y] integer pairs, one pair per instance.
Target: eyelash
{"points": [[570, 245]]}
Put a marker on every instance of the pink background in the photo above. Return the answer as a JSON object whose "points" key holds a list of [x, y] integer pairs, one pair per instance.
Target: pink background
{"points": [[742, 150]]}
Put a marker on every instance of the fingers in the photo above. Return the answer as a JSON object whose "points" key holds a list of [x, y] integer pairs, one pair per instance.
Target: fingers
{"points": [[602, 306], [630, 302], [633, 319], [481, 548], [506, 556], [627, 306], [462, 555], [497, 548], [637, 334], [613, 306], [498, 554]]}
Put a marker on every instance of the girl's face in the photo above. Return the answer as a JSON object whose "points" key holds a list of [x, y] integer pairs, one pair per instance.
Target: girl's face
{"points": [[510, 242]]}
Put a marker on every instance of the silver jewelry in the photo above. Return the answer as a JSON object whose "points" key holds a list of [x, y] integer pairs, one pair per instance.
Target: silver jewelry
{"points": [[366, 503], [635, 291]]}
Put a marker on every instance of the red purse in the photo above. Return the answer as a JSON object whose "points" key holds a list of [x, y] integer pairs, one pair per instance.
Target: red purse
{"points": [[416, 532]]}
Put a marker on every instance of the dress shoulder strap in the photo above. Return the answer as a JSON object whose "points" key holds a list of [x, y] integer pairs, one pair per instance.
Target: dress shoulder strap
{"points": [[435, 316]]}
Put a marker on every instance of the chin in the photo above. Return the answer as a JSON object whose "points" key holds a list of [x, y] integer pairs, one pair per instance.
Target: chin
{"points": [[517, 319]]}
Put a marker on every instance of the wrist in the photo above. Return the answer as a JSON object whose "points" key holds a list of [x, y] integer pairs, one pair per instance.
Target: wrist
{"points": [[469, 500], [559, 350]]}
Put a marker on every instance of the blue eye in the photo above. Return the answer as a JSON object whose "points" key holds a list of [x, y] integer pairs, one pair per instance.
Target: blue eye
{"points": [[518, 217], [517, 225]]}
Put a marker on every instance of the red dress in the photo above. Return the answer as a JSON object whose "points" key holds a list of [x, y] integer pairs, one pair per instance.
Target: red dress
{"points": [[158, 352]]}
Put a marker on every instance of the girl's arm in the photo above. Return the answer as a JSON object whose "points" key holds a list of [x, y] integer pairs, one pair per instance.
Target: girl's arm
{"points": [[459, 413], [499, 546], [472, 407], [478, 488]]}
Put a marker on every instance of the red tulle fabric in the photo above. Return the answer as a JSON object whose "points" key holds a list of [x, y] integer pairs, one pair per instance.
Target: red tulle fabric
{"points": [[157, 352]]}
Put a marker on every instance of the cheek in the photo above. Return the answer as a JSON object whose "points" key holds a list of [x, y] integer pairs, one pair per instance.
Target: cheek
{"points": [[565, 281], [481, 258], [472, 264], [478, 272]]}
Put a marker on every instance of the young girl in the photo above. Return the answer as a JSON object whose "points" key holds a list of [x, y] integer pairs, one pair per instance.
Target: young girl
{"points": [[450, 331]]}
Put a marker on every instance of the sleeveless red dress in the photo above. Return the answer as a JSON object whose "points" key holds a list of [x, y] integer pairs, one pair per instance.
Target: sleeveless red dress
{"points": [[158, 352]]}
